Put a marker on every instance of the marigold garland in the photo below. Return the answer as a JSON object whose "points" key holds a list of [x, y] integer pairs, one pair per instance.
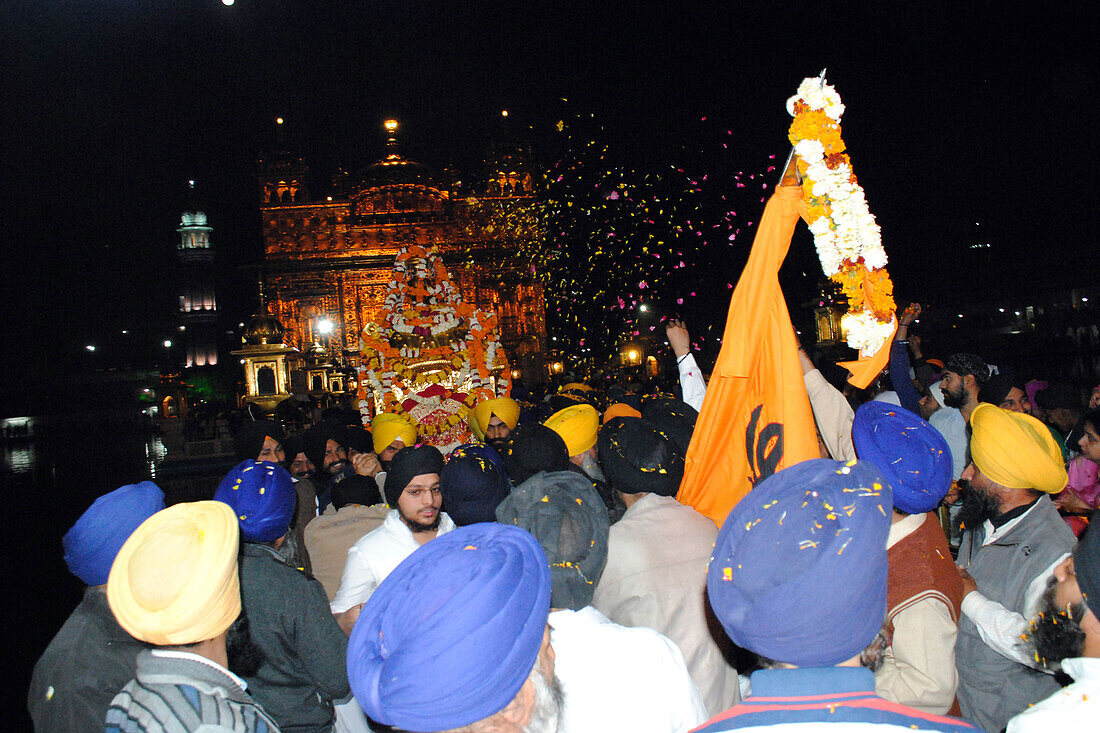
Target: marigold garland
{"points": [[847, 238], [445, 343]]}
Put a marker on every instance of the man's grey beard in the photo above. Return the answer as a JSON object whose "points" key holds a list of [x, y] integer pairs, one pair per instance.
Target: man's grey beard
{"points": [[549, 702], [592, 467]]}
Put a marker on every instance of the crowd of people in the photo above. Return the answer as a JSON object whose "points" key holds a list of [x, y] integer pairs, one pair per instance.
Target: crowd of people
{"points": [[933, 570]]}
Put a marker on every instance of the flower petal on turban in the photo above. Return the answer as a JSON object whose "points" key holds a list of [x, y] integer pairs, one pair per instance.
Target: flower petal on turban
{"points": [[577, 426], [452, 634]]}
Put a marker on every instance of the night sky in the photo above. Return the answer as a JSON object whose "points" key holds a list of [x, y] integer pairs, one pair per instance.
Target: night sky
{"points": [[964, 125]]}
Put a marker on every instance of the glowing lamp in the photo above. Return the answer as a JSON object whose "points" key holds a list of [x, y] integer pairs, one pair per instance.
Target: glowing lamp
{"points": [[390, 125], [167, 343], [324, 326], [643, 308], [515, 373], [504, 113], [227, 3], [632, 355]]}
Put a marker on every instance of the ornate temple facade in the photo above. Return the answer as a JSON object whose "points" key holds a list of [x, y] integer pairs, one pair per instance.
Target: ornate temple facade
{"points": [[327, 259]]}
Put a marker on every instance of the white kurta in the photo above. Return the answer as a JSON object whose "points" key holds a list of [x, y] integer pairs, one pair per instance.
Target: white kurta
{"points": [[656, 576], [1075, 707], [620, 678], [375, 556]]}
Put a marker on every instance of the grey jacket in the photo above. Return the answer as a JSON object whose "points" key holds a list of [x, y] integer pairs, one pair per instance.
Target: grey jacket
{"points": [[304, 669], [993, 688], [85, 665]]}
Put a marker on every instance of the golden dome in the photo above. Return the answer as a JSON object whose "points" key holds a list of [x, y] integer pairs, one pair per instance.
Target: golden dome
{"points": [[263, 329]]}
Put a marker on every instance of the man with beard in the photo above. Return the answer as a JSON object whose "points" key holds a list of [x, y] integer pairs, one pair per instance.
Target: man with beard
{"points": [[412, 492], [578, 426], [327, 448], [1013, 539], [457, 638], [390, 434], [657, 555], [963, 376], [1066, 635], [492, 420], [300, 678]]}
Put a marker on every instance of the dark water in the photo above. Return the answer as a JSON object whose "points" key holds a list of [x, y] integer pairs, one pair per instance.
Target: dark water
{"points": [[49, 482]]}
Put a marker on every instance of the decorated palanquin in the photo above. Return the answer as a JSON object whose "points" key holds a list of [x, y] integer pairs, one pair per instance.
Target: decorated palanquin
{"points": [[430, 356]]}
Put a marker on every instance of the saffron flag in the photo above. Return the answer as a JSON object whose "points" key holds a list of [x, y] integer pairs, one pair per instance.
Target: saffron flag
{"points": [[756, 417]]}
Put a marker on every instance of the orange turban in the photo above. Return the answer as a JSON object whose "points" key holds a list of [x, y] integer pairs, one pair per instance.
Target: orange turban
{"points": [[1015, 450], [577, 425], [505, 408], [174, 581], [387, 427], [620, 409]]}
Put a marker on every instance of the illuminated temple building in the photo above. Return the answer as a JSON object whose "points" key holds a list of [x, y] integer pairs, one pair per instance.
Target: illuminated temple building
{"points": [[328, 258]]}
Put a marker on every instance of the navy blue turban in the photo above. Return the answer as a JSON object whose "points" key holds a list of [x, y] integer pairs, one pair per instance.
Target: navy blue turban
{"points": [[451, 635], [92, 543], [798, 573], [910, 452], [473, 483], [263, 497]]}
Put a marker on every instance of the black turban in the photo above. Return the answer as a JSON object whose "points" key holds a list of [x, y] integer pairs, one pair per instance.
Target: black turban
{"points": [[675, 418], [963, 364], [293, 445], [638, 458], [996, 388], [473, 482], [249, 440], [568, 518], [532, 448], [355, 489], [359, 439], [317, 438], [407, 465]]}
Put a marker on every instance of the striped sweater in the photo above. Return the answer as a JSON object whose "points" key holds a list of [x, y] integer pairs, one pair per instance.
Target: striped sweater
{"points": [[830, 699], [178, 692]]}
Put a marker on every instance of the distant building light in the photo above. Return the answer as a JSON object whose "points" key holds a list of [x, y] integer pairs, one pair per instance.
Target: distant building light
{"points": [[1084, 300], [643, 308], [1017, 312], [278, 120], [504, 113], [328, 198], [1002, 310], [390, 125], [227, 3], [183, 328], [124, 332], [960, 315], [90, 347], [167, 343]]}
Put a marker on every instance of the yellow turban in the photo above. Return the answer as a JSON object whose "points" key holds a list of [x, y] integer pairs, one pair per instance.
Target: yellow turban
{"points": [[620, 409], [1015, 450], [174, 581], [503, 407], [576, 387], [387, 427], [577, 425]]}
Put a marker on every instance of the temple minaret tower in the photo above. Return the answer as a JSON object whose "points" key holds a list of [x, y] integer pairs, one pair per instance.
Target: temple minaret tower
{"points": [[198, 309]]}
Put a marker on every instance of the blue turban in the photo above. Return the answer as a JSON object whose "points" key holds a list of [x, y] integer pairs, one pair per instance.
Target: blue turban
{"points": [[473, 483], [910, 452], [263, 497], [452, 634], [92, 543], [798, 573]]}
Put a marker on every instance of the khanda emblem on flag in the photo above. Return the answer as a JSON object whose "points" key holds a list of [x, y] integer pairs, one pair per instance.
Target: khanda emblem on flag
{"points": [[762, 461]]}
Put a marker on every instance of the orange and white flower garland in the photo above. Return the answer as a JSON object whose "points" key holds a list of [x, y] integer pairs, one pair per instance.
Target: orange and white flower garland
{"points": [[846, 235]]}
